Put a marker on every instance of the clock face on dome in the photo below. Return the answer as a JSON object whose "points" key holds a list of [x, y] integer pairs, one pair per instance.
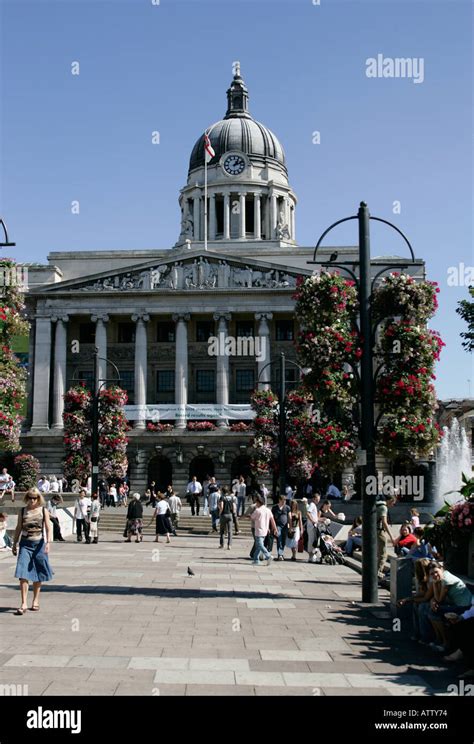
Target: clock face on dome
{"points": [[234, 165]]}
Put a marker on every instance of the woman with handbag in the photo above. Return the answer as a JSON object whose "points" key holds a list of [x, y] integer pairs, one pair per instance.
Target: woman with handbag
{"points": [[134, 524], [295, 529], [94, 518], [36, 530]]}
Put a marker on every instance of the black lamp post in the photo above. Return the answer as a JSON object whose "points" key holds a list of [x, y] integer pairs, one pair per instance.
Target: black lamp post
{"points": [[281, 416], [365, 286], [98, 385]]}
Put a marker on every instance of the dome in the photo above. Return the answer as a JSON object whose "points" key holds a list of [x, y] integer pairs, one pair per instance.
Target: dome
{"points": [[238, 131]]}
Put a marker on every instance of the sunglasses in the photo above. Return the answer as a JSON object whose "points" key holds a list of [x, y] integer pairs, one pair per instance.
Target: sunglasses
{"points": [[32, 498]]}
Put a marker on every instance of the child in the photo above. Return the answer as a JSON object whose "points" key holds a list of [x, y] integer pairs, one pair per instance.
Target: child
{"points": [[5, 542], [415, 518]]}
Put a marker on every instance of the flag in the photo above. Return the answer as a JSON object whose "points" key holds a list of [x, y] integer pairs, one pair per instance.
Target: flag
{"points": [[208, 151]]}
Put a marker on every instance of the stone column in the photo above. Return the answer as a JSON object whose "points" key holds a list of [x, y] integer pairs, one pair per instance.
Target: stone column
{"points": [[226, 216], [293, 222], [212, 217], [257, 228], [242, 226], [222, 366], [141, 368], [41, 373], [197, 216], [263, 334], [181, 369], [273, 215], [101, 343], [60, 359]]}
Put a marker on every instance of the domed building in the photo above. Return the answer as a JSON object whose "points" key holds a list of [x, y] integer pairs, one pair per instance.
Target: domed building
{"points": [[248, 195], [191, 329]]}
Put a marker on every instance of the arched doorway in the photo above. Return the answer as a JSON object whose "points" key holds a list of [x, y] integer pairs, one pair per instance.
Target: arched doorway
{"points": [[241, 466], [200, 467], [160, 470]]}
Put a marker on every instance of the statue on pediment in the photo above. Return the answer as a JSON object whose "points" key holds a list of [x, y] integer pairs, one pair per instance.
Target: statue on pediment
{"points": [[157, 275], [242, 277]]}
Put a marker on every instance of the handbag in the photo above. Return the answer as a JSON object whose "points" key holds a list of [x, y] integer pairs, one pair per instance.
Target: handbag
{"points": [[93, 519], [301, 543]]}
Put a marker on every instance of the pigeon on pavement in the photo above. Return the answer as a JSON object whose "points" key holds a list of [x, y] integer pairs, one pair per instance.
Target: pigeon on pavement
{"points": [[190, 573]]}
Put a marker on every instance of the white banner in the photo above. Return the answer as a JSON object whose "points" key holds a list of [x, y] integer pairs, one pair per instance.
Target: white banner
{"points": [[192, 412]]}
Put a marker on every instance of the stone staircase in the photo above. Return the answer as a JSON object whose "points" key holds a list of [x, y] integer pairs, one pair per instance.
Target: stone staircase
{"points": [[112, 519]]}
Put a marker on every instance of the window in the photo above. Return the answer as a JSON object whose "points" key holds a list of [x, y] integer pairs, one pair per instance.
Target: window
{"points": [[126, 333], [285, 330], [87, 333], [292, 377], [204, 329], [165, 332], [244, 328], [205, 381], [245, 380], [127, 383], [165, 381]]}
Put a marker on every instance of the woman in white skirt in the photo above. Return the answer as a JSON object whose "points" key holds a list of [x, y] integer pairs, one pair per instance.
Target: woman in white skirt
{"points": [[295, 529]]}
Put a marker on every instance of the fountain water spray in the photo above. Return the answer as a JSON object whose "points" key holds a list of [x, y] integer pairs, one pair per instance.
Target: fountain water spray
{"points": [[454, 459]]}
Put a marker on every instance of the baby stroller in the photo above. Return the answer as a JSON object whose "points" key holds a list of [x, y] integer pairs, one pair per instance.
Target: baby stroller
{"points": [[330, 553]]}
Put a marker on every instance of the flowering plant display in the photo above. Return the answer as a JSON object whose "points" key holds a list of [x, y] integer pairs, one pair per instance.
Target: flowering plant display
{"points": [[400, 294], [113, 425], [159, 427], [330, 347], [12, 376], [298, 416], [413, 433], [201, 426], [265, 441], [409, 350], [77, 433], [240, 426], [27, 470], [112, 434]]}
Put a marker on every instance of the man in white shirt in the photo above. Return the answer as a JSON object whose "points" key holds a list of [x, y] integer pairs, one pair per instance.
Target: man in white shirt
{"points": [[45, 485], [175, 507], [265, 492], [82, 508], [193, 492], [241, 492], [288, 494]]}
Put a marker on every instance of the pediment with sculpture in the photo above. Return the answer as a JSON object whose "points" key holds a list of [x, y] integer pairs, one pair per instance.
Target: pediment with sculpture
{"points": [[200, 272]]}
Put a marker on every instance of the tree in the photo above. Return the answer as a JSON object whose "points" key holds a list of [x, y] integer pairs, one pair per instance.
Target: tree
{"points": [[466, 310]]}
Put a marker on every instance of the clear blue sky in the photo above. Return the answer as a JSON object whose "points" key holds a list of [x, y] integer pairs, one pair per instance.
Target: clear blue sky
{"points": [[166, 67]]}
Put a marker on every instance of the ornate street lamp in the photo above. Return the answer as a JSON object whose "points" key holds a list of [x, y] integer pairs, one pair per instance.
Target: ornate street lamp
{"points": [[281, 415], [365, 286]]}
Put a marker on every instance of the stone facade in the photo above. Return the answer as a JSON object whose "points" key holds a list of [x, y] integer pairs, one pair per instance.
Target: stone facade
{"points": [[151, 313]]}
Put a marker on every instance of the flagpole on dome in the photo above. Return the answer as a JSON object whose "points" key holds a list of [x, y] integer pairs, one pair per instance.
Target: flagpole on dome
{"points": [[208, 155]]}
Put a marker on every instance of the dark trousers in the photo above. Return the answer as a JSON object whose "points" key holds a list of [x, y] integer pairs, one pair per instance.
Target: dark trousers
{"points": [[56, 528], [225, 524], [194, 501], [461, 635], [82, 524]]}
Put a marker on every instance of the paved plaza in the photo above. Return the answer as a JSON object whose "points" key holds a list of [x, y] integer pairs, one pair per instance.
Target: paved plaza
{"points": [[126, 619]]}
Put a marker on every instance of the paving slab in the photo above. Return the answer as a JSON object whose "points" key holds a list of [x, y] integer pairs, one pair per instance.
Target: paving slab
{"points": [[142, 628]]}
